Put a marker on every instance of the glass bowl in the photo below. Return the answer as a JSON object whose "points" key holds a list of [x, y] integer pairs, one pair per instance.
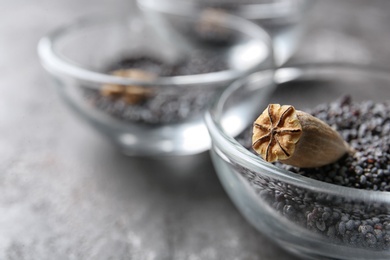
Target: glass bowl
{"points": [[156, 108], [311, 218], [284, 20]]}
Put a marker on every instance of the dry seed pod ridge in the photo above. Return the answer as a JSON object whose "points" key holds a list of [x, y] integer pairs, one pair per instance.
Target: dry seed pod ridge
{"points": [[296, 138], [131, 94]]}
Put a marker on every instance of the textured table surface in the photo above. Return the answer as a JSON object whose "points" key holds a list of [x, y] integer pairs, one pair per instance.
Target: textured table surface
{"points": [[65, 193]]}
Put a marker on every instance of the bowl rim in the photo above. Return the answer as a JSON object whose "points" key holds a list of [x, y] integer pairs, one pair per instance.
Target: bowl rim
{"points": [[253, 11], [226, 144], [56, 64]]}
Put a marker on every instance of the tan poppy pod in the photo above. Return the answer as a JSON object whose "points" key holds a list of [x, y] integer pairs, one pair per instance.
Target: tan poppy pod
{"points": [[293, 137], [131, 94]]}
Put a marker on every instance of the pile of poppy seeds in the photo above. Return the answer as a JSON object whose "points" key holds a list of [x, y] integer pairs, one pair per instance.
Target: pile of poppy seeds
{"points": [[366, 127], [169, 104]]}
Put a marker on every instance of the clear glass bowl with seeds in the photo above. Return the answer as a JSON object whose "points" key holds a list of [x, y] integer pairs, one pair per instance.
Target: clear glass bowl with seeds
{"points": [[284, 20], [144, 92], [337, 211]]}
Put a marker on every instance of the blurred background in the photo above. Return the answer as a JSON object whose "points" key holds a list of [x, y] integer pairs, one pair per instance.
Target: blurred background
{"points": [[65, 193]]}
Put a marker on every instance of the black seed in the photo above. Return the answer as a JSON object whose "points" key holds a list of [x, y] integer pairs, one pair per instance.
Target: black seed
{"points": [[341, 228], [370, 238], [320, 224], [350, 225], [365, 228]]}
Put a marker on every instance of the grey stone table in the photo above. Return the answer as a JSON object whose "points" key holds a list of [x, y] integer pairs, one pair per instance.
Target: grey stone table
{"points": [[65, 193]]}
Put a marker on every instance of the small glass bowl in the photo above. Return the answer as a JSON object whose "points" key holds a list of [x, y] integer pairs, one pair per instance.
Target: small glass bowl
{"points": [[168, 118], [284, 20], [306, 216]]}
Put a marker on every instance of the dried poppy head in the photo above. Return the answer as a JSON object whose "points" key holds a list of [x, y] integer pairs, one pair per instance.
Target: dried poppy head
{"points": [[131, 94], [284, 134]]}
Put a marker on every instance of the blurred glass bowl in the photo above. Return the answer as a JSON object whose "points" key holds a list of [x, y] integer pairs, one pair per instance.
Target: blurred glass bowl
{"points": [[284, 20], [310, 218], [168, 120]]}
